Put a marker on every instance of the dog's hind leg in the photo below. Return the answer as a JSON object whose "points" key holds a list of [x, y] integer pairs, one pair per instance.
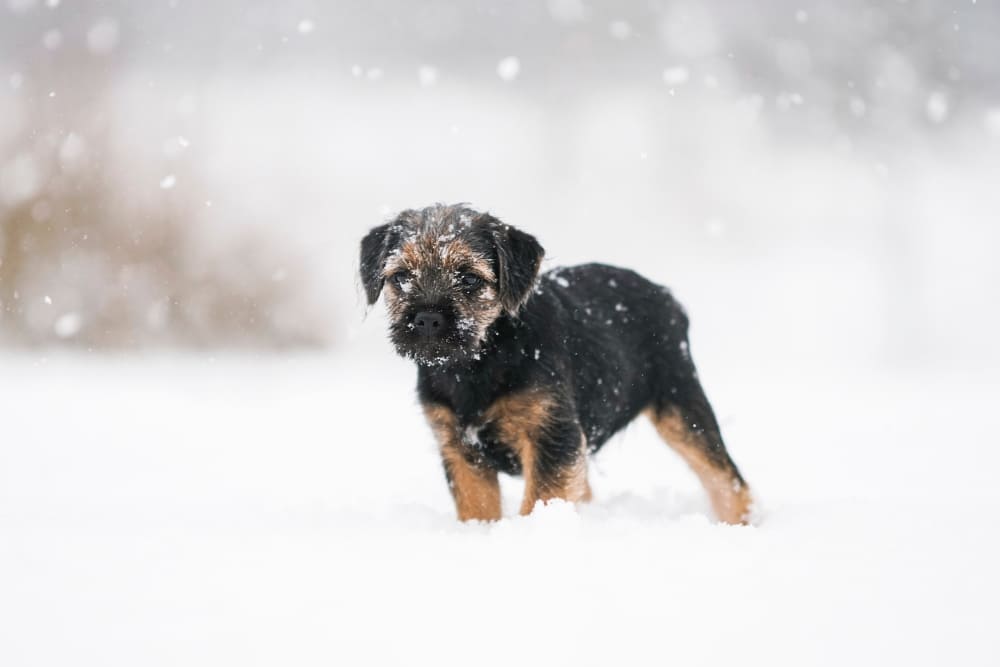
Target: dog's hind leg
{"points": [[684, 419]]}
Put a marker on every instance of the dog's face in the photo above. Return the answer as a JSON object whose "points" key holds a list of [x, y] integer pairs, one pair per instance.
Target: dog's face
{"points": [[448, 273]]}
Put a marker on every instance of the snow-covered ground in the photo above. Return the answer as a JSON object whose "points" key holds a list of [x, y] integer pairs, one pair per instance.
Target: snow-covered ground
{"points": [[182, 510]]}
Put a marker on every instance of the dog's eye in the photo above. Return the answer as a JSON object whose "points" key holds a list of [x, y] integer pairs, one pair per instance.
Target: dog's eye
{"points": [[469, 280], [399, 278]]}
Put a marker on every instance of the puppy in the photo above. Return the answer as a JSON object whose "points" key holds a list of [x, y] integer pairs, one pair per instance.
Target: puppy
{"points": [[527, 376]]}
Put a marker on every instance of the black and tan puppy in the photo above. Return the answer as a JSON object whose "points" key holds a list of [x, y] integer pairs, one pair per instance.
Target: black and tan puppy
{"points": [[527, 376]]}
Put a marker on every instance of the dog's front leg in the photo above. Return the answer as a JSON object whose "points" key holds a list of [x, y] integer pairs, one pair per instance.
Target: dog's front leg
{"points": [[541, 428], [555, 466], [475, 488]]}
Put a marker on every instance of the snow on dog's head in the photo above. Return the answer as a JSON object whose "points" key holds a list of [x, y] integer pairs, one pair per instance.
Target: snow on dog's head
{"points": [[449, 273]]}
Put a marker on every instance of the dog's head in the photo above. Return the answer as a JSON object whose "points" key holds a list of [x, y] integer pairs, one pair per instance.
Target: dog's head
{"points": [[448, 273]]}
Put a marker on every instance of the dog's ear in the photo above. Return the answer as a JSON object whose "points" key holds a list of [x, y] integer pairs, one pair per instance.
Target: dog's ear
{"points": [[519, 256], [374, 253]]}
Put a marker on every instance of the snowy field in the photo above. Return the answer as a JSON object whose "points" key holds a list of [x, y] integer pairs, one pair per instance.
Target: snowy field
{"points": [[816, 181], [183, 510]]}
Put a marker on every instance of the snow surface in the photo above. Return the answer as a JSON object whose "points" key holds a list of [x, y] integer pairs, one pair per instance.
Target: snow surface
{"points": [[291, 510]]}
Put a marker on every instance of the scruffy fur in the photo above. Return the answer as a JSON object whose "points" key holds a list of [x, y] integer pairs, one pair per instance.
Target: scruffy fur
{"points": [[526, 375]]}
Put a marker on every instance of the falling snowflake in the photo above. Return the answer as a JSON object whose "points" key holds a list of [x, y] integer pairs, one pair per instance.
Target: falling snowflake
{"points": [[620, 29], [937, 107], [103, 36], [68, 325], [675, 76], [427, 75], [509, 68]]}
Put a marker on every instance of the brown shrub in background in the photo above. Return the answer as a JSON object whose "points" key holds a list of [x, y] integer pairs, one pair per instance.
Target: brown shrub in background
{"points": [[97, 250]]}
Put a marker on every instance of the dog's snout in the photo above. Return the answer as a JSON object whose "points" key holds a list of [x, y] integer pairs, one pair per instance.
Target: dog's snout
{"points": [[428, 324]]}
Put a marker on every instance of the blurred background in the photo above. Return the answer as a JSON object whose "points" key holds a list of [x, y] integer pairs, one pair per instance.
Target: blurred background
{"points": [[816, 180]]}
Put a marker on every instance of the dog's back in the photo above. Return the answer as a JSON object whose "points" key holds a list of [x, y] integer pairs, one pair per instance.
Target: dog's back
{"points": [[624, 338]]}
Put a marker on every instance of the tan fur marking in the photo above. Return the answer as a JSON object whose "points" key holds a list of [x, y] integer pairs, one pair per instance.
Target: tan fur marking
{"points": [[586, 495], [520, 419], [476, 491], [731, 499], [429, 250]]}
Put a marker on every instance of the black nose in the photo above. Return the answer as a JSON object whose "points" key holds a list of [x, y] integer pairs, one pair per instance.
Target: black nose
{"points": [[429, 324]]}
